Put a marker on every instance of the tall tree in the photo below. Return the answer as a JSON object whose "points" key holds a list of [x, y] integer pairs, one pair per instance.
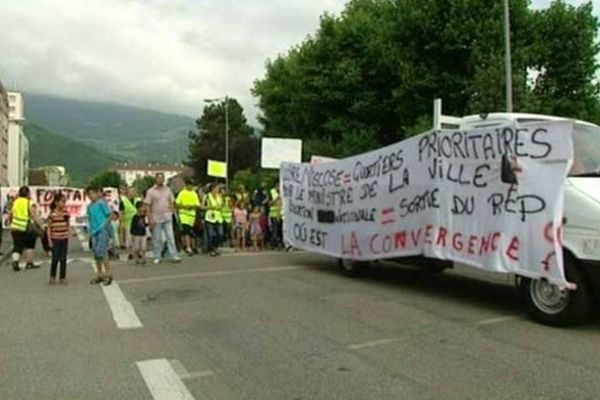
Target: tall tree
{"points": [[208, 142], [368, 77]]}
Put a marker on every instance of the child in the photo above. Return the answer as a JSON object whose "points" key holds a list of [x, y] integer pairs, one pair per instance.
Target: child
{"points": [[101, 231], [58, 238], [113, 250], [240, 220], [256, 230], [138, 233]]}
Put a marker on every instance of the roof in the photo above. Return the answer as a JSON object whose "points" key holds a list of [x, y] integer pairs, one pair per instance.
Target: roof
{"points": [[148, 167]]}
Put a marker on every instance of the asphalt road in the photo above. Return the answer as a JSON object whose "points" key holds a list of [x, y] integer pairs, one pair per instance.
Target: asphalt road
{"points": [[282, 326]]}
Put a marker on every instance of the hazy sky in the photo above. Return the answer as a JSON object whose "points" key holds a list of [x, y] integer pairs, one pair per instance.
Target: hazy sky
{"points": [[163, 54]]}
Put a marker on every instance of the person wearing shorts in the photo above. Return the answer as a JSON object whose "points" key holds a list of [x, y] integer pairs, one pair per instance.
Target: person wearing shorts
{"points": [[187, 204], [101, 233], [22, 214]]}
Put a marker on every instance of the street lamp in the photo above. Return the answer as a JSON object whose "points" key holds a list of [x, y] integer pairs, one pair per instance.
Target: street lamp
{"points": [[507, 58], [226, 98]]}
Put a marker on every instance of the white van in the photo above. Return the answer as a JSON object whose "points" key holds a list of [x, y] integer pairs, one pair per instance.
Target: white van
{"points": [[546, 302]]}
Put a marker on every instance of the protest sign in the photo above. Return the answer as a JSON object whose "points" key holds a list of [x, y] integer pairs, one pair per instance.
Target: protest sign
{"points": [[440, 194], [76, 201], [216, 169], [274, 151]]}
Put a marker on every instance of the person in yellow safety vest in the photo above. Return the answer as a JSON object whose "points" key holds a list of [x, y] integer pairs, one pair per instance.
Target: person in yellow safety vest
{"points": [[128, 209], [21, 216], [227, 214], [275, 218], [187, 204], [213, 218], [242, 195]]}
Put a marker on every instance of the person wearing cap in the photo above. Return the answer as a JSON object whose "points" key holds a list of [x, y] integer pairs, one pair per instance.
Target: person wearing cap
{"points": [[187, 204]]}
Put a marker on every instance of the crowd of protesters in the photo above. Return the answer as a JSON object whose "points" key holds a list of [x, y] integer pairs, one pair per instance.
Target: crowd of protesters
{"points": [[195, 220], [199, 220]]}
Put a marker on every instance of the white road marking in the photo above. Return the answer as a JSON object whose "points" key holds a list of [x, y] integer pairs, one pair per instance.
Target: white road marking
{"points": [[373, 343], [82, 238], [183, 373], [207, 274], [162, 380], [122, 310], [492, 321]]}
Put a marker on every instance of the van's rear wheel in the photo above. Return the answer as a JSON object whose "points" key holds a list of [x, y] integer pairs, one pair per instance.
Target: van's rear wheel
{"points": [[352, 268], [552, 305]]}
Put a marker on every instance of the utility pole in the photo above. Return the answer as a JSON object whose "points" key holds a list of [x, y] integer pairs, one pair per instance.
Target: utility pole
{"points": [[507, 58]]}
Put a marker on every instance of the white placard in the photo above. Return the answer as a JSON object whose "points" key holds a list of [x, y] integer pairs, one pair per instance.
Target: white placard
{"points": [[439, 194], [278, 150]]}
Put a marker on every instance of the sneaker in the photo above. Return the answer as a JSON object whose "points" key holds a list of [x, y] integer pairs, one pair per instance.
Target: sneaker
{"points": [[156, 261], [15, 266], [176, 259], [52, 281], [63, 282]]}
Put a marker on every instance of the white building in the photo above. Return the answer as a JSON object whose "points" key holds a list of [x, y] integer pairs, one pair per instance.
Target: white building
{"points": [[18, 145], [130, 172], [3, 136]]}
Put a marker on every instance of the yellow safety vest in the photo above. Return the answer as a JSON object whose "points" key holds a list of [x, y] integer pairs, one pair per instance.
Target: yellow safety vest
{"points": [[187, 198], [227, 211], [20, 214], [129, 211], [215, 205]]}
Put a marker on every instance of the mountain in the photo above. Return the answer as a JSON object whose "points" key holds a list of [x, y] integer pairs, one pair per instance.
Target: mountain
{"points": [[81, 160], [129, 133]]}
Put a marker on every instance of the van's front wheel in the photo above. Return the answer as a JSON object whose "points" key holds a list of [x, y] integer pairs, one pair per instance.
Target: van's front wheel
{"points": [[552, 305]]}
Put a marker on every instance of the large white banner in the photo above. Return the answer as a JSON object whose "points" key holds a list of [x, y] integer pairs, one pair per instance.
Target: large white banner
{"points": [[440, 194], [76, 201]]}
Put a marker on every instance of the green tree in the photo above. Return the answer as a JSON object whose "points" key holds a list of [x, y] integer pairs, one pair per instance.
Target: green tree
{"points": [[252, 179], [565, 56], [369, 76], [142, 184], [107, 179], [208, 142]]}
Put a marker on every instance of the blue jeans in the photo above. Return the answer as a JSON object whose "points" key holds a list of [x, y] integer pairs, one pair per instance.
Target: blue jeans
{"points": [[166, 229], [276, 227], [213, 236]]}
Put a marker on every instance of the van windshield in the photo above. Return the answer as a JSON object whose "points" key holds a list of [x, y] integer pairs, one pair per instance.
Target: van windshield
{"points": [[586, 148]]}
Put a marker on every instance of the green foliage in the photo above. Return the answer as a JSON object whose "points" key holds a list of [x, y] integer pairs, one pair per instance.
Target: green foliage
{"points": [[81, 160], [142, 184], [107, 179], [252, 179], [368, 77], [208, 142]]}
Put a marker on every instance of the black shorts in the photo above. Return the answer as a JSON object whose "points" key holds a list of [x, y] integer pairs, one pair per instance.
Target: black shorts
{"points": [[22, 241], [187, 230]]}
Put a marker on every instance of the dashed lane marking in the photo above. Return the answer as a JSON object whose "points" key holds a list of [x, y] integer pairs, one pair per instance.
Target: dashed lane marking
{"points": [[122, 310], [162, 380]]}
